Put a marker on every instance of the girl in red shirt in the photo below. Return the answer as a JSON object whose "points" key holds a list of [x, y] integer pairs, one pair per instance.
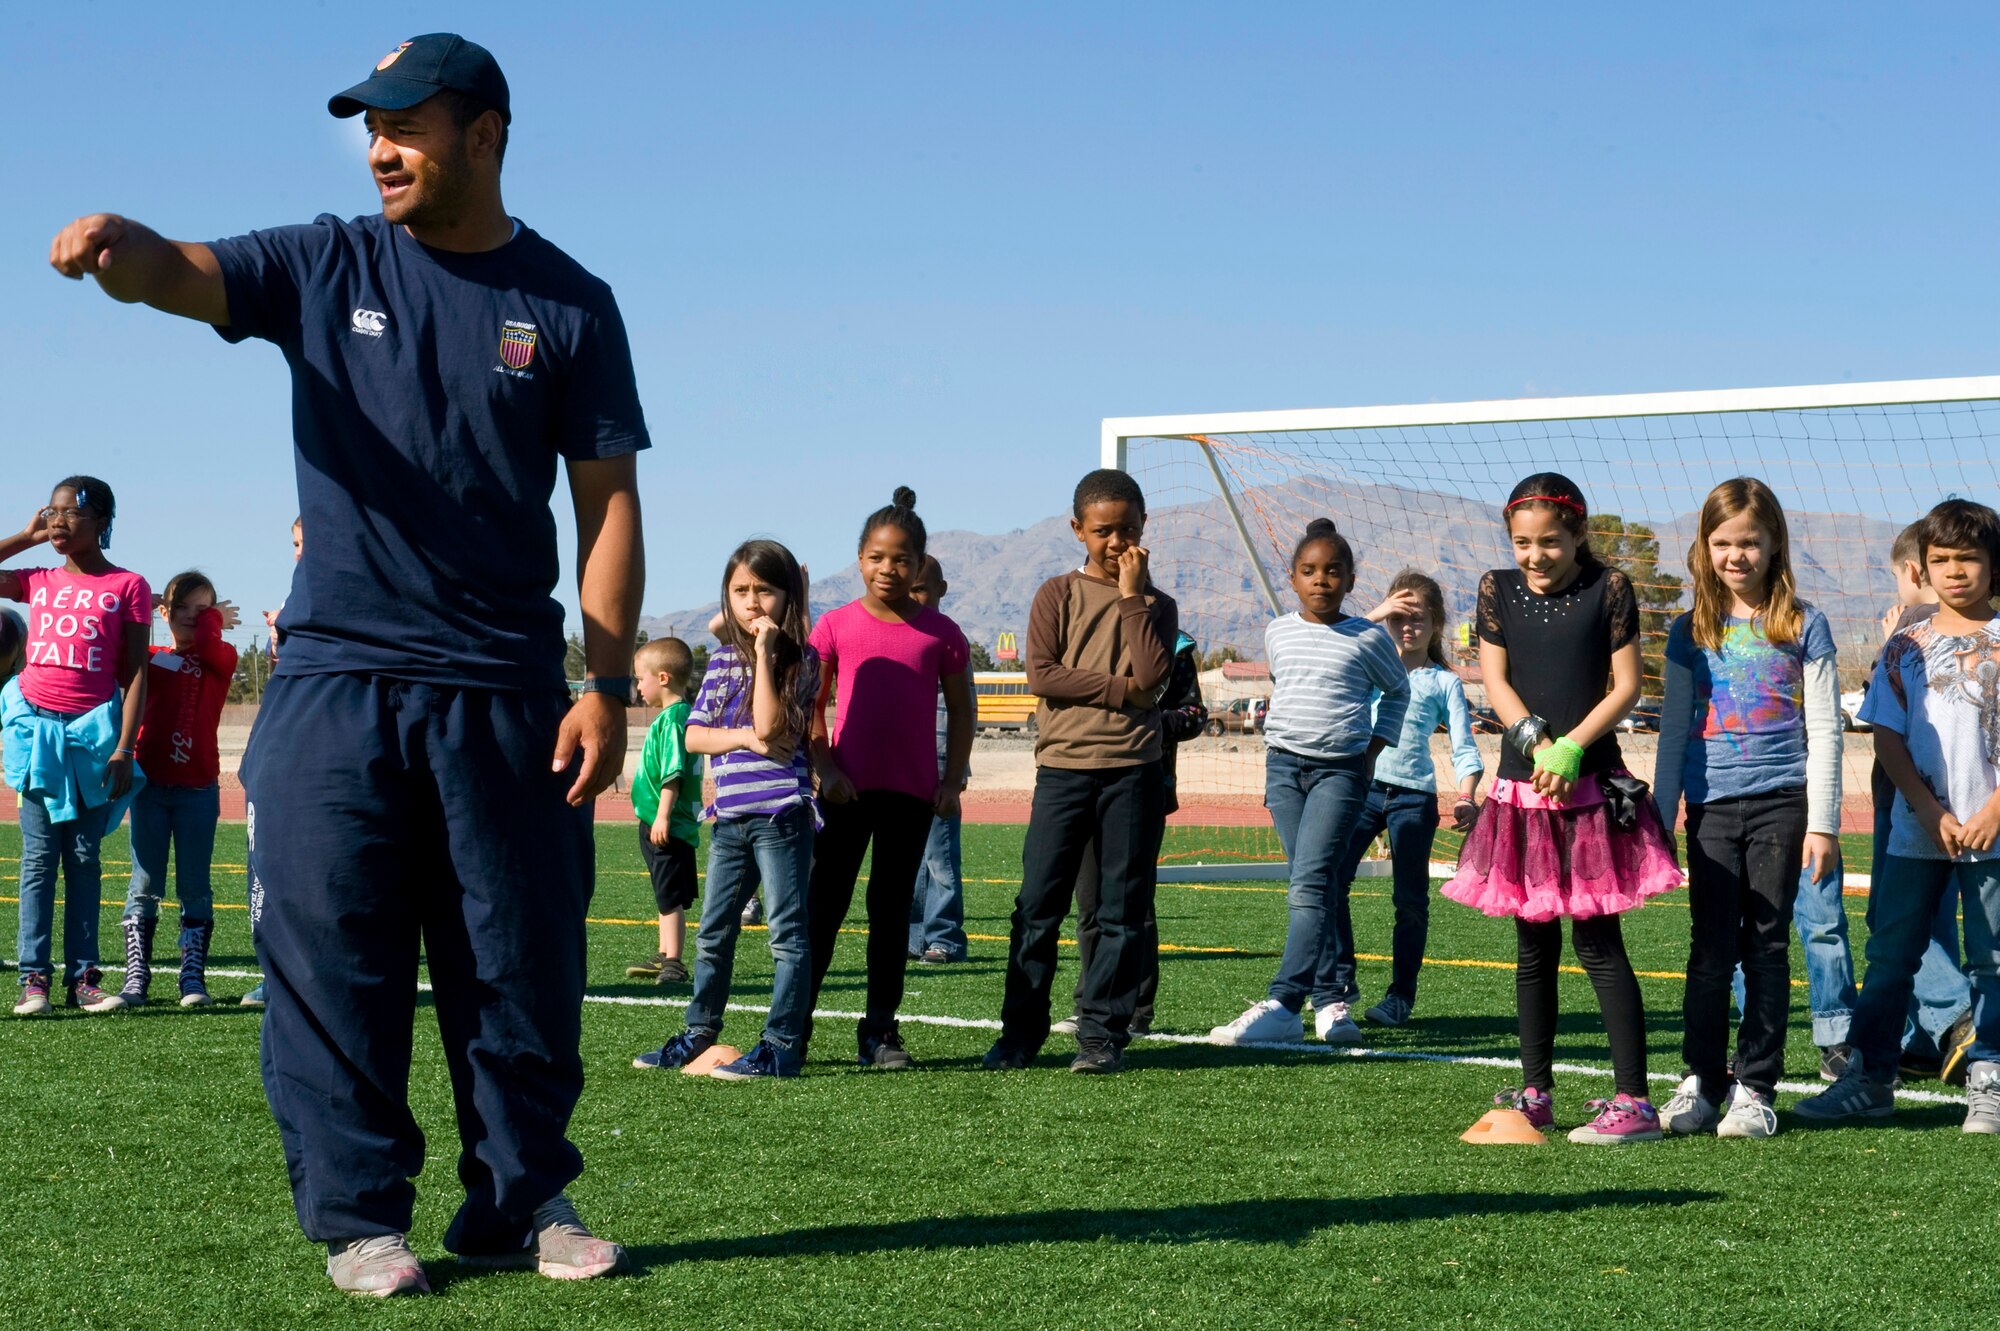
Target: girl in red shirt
{"points": [[186, 686]]}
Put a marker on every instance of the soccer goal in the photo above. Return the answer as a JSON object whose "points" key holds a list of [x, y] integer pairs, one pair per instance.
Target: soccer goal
{"points": [[1421, 486]]}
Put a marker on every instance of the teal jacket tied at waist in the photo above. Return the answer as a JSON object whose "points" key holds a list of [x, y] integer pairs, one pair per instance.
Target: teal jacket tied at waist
{"points": [[61, 761]]}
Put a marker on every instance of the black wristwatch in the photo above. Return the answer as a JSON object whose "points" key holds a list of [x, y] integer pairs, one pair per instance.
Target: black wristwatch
{"points": [[618, 686]]}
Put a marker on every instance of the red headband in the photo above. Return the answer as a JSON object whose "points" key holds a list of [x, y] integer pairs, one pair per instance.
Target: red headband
{"points": [[1557, 500]]}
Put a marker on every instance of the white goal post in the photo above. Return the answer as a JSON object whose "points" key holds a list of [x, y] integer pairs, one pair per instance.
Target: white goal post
{"points": [[1421, 484]]}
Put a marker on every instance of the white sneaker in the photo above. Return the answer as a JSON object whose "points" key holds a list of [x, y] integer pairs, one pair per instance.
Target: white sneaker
{"points": [[1267, 1022], [1334, 1024], [1750, 1115], [1689, 1112], [1067, 1026]]}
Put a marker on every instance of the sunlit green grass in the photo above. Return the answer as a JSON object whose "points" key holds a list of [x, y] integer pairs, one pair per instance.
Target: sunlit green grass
{"points": [[1204, 1187]]}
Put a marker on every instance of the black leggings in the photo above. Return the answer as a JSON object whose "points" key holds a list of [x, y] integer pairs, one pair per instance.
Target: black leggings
{"points": [[897, 825], [1600, 946]]}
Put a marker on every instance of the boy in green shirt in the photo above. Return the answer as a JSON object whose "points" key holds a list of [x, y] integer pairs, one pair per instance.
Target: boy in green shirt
{"points": [[666, 796]]}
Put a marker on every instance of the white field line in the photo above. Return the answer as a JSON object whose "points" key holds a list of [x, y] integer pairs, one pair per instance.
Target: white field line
{"points": [[1161, 1037]]}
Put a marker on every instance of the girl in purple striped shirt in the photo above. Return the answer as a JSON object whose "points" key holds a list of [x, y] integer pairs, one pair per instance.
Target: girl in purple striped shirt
{"points": [[750, 718]]}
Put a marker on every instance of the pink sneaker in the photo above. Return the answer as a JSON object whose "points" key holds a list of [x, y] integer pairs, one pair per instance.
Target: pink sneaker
{"points": [[1620, 1119], [1539, 1106]]}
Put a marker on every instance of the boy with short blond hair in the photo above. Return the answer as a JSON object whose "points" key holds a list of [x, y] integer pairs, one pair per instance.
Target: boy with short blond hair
{"points": [[666, 794]]}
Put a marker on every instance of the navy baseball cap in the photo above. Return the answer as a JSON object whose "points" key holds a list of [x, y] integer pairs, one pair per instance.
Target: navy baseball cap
{"points": [[421, 68]]}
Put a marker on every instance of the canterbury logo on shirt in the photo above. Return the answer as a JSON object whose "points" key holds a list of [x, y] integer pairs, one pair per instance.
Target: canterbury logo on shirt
{"points": [[369, 323]]}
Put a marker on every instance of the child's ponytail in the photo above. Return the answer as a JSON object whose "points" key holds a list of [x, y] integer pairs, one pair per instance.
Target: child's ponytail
{"points": [[900, 513], [1324, 529]]}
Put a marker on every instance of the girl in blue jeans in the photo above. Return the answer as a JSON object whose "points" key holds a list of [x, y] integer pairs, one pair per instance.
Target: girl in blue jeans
{"points": [[751, 718], [1338, 696], [1402, 801], [71, 721]]}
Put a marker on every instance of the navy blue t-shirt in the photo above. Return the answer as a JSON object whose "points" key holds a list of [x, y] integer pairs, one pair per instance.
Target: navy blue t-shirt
{"points": [[432, 394]]}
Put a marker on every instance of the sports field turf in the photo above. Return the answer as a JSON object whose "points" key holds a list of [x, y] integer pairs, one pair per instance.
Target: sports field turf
{"points": [[1204, 1187]]}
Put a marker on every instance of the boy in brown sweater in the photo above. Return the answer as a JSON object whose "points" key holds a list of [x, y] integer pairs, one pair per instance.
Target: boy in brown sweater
{"points": [[1100, 652]]}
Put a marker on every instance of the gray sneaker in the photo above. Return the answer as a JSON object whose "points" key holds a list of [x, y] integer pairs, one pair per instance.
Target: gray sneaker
{"points": [[1067, 1026], [562, 1249], [1689, 1112], [1393, 1010], [1855, 1095], [380, 1265], [1982, 1098]]}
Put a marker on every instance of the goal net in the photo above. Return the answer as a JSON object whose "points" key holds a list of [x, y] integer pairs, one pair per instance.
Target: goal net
{"points": [[1421, 487]]}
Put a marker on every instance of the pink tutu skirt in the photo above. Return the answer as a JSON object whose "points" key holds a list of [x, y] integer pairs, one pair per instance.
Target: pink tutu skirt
{"points": [[1538, 861]]}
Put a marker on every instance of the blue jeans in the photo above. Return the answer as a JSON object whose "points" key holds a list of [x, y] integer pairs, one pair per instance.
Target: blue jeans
{"points": [[1902, 911], [1316, 804], [937, 910], [73, 845], [742, 852], [1410, 817], [186, 816], [1821, 919]]}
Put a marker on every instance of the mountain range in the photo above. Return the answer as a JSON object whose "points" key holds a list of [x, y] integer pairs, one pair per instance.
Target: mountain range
{"points": [[1839, 559]]}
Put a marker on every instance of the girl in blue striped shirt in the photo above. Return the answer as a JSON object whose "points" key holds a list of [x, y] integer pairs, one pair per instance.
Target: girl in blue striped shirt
{"points": [[1402, 799], [1322, 734]]}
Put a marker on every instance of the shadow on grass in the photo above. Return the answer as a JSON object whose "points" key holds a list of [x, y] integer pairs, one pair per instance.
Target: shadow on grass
{"points": [[1264, 1220]]}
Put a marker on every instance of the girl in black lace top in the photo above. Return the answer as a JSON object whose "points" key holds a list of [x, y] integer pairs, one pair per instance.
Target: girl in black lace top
{"points": [[1566, 830]]}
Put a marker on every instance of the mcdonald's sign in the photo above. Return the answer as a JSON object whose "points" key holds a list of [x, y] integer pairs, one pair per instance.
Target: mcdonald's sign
{"points": [[1007, 648]]}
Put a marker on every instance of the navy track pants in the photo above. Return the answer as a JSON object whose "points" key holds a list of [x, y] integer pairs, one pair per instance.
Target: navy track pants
{"points": [[389, 817]]}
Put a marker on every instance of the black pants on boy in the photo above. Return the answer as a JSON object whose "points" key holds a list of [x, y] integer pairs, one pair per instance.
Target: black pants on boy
{"points": [[1087, 883], [1743, 879], [1124, 810], [897, 825], [1600, 946]]}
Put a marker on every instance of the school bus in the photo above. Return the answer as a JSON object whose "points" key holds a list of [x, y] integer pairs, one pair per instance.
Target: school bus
{"points": [[1003, 699]]}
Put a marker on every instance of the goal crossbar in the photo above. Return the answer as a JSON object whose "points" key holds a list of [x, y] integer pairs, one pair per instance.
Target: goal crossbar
{"points": [[1806, 397]]}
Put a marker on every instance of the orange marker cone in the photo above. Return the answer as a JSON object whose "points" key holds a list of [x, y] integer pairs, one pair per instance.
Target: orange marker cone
{"points": [[709, 1059], [1503, 1127]]}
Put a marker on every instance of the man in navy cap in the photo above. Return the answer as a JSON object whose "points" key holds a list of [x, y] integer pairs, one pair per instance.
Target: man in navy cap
{"points": [[420, 781]]}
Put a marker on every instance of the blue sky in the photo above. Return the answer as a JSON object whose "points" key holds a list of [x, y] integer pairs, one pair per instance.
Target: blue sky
{"points": [[862, 245]]}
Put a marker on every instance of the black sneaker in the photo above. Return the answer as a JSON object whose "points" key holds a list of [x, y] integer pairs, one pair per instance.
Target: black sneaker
{"points": [[649, 969], [672, 971], [1918, 1067], [886, 1052], [1833, 1061], [1098, 1058], [938, 956], [1955, 1043], [1004, 1057]]}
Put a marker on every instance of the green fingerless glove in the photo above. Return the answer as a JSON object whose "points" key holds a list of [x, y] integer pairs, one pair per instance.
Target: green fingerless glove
{"points": [[1564, 758]]}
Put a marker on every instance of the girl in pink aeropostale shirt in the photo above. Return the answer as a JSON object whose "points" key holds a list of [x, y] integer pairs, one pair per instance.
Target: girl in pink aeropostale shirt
{"points": [[70, 731], [884, 659]]}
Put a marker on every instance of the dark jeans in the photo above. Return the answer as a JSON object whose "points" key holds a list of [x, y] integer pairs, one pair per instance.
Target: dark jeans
{"points": [[1315, 804], [390, 819], [898, 825], [1743, 876], [1087, 933], [1410, 817], [1902, 908], [1600, 946], [1124, 810]]}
